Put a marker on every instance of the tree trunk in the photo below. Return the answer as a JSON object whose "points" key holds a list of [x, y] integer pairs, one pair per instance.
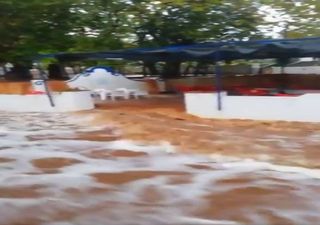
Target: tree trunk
{"points": [[151, 66], [19, 72], [56, 72], [171, 70]]}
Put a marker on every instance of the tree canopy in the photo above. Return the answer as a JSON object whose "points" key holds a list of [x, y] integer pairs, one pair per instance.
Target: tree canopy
{"points": [[42, 26], [32, 26]]}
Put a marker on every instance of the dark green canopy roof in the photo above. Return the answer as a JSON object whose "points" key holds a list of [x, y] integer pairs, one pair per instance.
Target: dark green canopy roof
{"points": [[209, 51]]}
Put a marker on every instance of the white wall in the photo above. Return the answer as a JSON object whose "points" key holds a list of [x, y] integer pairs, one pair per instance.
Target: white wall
{"points": [[64, 102], [297, 70], [305, 108]]}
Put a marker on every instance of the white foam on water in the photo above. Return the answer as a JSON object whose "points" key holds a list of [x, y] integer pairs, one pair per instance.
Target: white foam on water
{"points": [[192, 221], [253, 165], [59, 223], [313, 137], [285, 143], [168, 203]]}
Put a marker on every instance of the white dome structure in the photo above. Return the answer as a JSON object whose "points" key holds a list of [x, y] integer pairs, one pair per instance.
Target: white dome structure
{"points": [[105, 78]]}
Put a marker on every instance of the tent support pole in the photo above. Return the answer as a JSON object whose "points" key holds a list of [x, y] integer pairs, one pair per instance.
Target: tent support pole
{"points": [[48, 91], [44, 79]]}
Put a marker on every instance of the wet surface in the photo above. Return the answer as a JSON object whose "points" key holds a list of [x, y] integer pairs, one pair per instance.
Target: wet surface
{"points": [[286, 143], [57, 170]]}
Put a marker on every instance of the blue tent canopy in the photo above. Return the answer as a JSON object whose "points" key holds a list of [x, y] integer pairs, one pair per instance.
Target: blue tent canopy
{"points": [[208, 51]]}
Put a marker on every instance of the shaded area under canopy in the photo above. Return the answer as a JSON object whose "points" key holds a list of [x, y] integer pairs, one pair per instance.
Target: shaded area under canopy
{"points": [[209, 51]]}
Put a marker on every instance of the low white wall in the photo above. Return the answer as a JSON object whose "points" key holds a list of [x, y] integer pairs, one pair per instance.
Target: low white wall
{"points": [[304, 108], [297, 70], [38, 85], [64, 102]]}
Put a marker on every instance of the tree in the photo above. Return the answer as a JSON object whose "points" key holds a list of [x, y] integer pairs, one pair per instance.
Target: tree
{"points": [[101, 25], [29, 27], [37, 26], [185, 22], [182, 21]]}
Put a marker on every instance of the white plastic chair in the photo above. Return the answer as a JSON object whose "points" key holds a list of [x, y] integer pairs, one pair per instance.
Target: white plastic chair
{"points": [[140, 93], [127, 93], [123, 92], [104, 94]]}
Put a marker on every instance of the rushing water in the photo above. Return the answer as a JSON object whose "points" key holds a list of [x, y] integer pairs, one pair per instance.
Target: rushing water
{"points": [[56, 171]]}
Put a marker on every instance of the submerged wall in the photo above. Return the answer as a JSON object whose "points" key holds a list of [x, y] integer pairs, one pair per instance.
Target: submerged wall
{"points": [[304, 108], [64, 102]]}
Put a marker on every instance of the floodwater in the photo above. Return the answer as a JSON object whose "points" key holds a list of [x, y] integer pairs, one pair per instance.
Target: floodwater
{"points": [[55, 170]]}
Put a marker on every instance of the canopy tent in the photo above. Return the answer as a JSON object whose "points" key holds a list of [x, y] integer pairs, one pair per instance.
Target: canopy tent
{"points": [[208, 51]]}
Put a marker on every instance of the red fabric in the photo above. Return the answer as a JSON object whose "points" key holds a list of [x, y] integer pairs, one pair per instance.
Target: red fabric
{"points": [[291, 95], [183, 89], [251, 92], [36, 92]]}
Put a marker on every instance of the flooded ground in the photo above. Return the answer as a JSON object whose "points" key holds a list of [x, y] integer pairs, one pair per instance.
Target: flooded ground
{"points": [[129, 168]]}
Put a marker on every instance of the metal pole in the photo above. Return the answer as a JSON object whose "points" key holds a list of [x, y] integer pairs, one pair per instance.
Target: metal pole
{"points": [[44, 79], [47, 90], [218, 81]]}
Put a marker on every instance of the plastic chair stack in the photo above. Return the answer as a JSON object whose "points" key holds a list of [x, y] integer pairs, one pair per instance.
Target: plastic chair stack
{"points": [[119, 92]]}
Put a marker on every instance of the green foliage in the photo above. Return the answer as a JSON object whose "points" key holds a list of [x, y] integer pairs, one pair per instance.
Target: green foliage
{"points": [[32, 26], [41, 26], [186, 21]]}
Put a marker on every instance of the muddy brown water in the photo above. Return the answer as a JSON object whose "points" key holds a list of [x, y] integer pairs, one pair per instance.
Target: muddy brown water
{"points": [[56, 170]]}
